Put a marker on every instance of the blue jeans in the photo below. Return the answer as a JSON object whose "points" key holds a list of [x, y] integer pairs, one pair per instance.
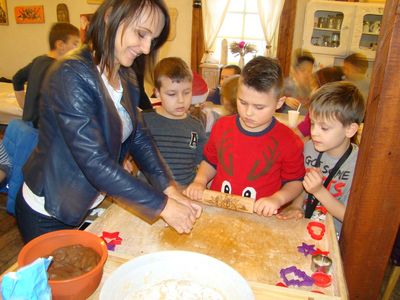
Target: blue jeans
{"points": [[32, 224]]}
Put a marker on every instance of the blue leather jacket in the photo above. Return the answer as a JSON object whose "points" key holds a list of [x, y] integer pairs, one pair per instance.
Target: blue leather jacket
{"points": [[79, 149]]}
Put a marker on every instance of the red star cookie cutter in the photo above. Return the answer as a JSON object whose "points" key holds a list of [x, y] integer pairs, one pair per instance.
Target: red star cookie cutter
{"points": [[112, 239], [320, 252], [311, 230]]}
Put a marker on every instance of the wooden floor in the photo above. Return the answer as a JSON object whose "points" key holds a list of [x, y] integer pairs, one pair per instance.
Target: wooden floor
{"points": [[11, 243], [10, 239]]}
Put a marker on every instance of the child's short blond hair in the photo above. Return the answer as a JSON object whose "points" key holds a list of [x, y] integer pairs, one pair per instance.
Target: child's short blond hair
{"points": [[229, 92], [173, 68], [339, 100]]}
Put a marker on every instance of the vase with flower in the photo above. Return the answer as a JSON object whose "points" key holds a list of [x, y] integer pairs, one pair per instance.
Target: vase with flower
{"points": [[241, 49]]}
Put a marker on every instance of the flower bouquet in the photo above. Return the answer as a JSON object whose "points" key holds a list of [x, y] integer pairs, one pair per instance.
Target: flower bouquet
{"points": [[242, 48]]}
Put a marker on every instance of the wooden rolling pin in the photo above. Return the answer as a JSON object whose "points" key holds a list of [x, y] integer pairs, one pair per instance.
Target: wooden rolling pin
{"points": [[228, 201]]}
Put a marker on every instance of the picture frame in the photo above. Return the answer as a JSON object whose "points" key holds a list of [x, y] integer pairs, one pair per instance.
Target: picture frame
{"points": [[3, 12], [29, 14], [84, 25]]}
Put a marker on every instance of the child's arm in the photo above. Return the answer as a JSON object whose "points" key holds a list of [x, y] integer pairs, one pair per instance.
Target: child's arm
{"points": [[313, 183], [294, 210], [205, 173], [268, 206]]}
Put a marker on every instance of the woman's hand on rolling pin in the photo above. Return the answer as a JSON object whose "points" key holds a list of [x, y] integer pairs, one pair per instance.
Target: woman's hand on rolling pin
{"points": [[195, 191]]}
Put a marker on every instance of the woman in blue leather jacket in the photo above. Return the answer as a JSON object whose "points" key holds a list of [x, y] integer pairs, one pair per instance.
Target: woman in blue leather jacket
{"points": [[89, 122]]}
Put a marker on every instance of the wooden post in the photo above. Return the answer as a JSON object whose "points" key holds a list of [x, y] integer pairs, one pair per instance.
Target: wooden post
{"points": [[197, 46], [285, 37], [373, 213]]}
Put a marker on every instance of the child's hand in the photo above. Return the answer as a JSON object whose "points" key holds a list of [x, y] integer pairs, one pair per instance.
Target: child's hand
{"points": [[290, 212], [195, 191], [267, 206], [313, 181]]}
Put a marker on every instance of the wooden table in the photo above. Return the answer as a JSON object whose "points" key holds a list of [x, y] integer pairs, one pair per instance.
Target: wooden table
{"points": [[257, 247], [9, 108]]}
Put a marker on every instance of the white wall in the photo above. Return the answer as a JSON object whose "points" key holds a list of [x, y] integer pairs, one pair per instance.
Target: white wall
{"points": [[298, 29], [181, 45], [20, 43]]}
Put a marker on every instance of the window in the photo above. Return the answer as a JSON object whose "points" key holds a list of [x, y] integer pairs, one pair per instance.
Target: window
{"points": [[241, 23]]}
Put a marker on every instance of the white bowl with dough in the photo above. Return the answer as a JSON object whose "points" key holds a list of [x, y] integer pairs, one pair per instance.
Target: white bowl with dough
{"points": [[176, 275]]}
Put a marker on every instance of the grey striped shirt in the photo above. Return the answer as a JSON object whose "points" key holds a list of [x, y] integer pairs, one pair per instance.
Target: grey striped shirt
{"points": [[180, 142], [5, 162]]}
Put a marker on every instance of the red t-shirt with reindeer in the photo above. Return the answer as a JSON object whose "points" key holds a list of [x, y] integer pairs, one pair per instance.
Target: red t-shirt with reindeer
{"points": [[253, 164]]}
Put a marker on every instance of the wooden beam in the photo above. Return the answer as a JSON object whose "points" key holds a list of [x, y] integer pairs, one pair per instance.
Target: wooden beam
{"points": [[197, 44], [373, 212], [285, 37]]}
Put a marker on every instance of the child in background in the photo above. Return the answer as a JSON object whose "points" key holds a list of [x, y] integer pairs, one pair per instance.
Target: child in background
{"points": [[319, 78], [355, 68], [210, 113], [198, 108], [63, 37], [297, 87], [179, 136], [226, 72], [251, 154], [336, 111], [229, 95]]}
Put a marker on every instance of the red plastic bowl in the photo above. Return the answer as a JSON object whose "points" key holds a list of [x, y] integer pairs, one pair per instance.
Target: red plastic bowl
{"points": [[80, 287]]}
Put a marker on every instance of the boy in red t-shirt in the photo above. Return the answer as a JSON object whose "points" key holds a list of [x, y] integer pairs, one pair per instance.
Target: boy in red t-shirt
{"points": [[250, 153]]}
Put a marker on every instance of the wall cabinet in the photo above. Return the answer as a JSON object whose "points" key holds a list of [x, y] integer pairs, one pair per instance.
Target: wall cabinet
{"points": [[339, 28], [367, 29]]}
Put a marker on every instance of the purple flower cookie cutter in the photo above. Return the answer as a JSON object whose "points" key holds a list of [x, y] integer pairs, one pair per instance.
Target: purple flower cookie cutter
{"points": [[300, 277]]}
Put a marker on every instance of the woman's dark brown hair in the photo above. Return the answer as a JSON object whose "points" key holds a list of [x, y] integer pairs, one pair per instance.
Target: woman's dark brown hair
{"points": [[101, 35]]}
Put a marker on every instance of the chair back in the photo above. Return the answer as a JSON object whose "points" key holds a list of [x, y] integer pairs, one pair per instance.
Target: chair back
{"points": [[20, 138]]}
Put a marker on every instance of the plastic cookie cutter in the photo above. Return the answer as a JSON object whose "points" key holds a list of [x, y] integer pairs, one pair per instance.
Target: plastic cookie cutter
{"points": [[320, 252], [112, 239], [299, 277], [306, 249], [312, 226], [281, 284], [321, 279]]}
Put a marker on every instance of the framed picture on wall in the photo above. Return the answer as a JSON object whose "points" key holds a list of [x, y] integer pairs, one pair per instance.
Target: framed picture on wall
{"points": [[29, 14], [3, 13]]}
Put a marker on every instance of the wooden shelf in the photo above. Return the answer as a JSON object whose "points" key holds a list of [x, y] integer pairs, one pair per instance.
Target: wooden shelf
{"points": [[327, 29], [371, 33]]}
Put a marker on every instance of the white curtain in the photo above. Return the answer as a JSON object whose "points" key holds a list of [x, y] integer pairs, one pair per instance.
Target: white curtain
{"points": [[270, 13], [214, 12]]}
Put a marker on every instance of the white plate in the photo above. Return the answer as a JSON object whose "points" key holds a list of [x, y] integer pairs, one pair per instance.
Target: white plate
{"points": [[150, 273]]}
